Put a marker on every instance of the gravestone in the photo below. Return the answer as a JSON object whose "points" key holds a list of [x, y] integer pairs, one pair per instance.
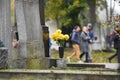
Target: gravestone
{"points": [[31, 47], [3, 57], [97, 33], [5, 26]]}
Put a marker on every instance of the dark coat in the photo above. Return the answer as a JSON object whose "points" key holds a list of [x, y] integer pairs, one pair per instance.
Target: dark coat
{"points": [[116, 39]]}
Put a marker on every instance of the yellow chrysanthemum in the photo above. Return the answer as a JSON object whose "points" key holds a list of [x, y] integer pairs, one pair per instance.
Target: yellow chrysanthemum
{"points": [[66, 37], [58, 31], [59, 37], [54, 36]]}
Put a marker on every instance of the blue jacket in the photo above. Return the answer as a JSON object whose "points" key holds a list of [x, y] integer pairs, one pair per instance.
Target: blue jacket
{"points": [[91, 34], [75, 36]]}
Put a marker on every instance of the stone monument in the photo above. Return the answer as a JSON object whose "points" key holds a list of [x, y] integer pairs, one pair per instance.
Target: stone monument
{"points": [[5, 26], [31, 47]]}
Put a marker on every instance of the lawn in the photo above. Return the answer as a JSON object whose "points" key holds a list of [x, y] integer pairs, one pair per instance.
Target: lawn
{"points": [[97, 56]]}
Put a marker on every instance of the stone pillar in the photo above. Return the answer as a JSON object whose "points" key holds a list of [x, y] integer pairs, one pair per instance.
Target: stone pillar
{"points": [[31, 48], [5, 26]]}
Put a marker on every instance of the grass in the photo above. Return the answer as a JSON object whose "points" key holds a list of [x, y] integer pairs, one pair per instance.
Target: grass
{"points": [[97, 56]]}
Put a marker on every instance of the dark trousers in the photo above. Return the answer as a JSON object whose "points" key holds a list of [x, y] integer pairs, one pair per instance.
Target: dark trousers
{"points": [[118, 53], [114, 55], [86, 57]]}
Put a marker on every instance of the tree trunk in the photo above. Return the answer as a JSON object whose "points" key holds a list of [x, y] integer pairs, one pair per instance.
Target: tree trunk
{"points": [[57, 23], [106, 7], [108, 19], [92, 11]]}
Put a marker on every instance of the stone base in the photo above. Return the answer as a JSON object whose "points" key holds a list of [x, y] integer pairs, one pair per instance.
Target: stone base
{"points": [[3, 58], [79, 74], [60, 63], [95, 65]]}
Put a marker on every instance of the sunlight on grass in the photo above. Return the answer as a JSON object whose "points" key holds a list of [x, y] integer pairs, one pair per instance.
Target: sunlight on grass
{"points": [[97, 56]]}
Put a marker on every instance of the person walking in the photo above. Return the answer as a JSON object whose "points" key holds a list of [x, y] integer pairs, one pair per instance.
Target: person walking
{"points": [[91, 35], [116, 39], [75, 39], [85, 44]]}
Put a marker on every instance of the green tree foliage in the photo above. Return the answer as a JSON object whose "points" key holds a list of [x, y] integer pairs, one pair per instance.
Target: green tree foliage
{"points": [[54, 10], [64, 12], [67, 13], [74, 8]]}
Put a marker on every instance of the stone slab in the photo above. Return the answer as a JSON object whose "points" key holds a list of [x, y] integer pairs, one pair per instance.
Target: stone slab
{"points": [[58, 75], [112, 65], [93, 65], [96, 65]]}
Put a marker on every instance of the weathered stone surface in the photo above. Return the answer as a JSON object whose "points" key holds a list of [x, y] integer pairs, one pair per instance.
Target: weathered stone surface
{"points": [[3, 58], [5, 26], [30, 32], [51, 62], [95, 65], [61, 63], [59, 75], [34, 59], [112, 65]]}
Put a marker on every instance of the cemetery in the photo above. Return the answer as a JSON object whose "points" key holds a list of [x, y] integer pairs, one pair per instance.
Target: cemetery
{"points": [[25, 52]]}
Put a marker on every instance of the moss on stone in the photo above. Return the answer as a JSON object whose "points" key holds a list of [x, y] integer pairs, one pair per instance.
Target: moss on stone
{"points": [[33, 64]]}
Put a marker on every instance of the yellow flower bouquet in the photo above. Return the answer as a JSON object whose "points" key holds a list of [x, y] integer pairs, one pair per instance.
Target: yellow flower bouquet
{"points": [[59, 37]]}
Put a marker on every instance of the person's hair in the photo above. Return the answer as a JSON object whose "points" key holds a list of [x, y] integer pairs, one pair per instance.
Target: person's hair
{"points": [[89, 24], [77, 26]]}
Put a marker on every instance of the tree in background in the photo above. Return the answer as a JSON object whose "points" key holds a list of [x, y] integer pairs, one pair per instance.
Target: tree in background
{"points": [[54, 11], [68, 13], [65, 13], [92, 10]]}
